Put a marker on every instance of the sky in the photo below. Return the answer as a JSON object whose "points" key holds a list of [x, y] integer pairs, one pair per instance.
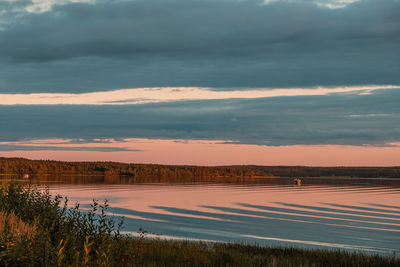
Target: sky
{"points": [[202, 82]]}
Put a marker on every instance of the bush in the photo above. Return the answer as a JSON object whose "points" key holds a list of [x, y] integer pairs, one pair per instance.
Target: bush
{"points": [[59, 235]]}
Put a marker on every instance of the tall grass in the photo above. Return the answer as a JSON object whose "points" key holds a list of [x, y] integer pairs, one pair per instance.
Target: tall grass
{"points": [[14, 226], [37, 229]]}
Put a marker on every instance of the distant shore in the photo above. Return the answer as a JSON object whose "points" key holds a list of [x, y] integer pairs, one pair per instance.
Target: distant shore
{"points": [[164, 173]]}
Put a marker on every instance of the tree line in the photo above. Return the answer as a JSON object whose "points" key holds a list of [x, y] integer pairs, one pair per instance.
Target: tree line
{"points": [[356, 172], [162, 173], [20, 166]]}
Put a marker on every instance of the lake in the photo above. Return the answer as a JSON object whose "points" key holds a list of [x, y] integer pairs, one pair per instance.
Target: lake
{"points": [[350, 214]]}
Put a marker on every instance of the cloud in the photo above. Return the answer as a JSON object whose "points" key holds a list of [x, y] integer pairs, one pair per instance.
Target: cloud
{"points": [[321, 3], [12, 147], [81, 47], [40, 6], [168, 94], [217, 70], [323, 119]]}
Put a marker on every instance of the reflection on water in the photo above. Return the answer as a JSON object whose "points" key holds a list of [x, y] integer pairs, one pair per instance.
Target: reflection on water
{"points": [[362, 215]]}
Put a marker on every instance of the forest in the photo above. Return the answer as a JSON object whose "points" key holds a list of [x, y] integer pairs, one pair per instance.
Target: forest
{"points": [[162, 173], [352, 172], [20, 167]]}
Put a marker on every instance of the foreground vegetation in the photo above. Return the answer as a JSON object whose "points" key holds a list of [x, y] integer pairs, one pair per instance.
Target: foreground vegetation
{"points": [[35, 230]]}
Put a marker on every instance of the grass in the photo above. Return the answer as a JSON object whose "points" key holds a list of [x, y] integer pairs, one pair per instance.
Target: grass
{"points": [[14, 226], [37, 229]]}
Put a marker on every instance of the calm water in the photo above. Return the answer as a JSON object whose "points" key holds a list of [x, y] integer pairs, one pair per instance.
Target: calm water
{"points": [[362, 215]]}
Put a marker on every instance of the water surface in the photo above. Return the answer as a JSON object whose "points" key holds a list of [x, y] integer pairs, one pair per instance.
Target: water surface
{"points": [[351, 214]]}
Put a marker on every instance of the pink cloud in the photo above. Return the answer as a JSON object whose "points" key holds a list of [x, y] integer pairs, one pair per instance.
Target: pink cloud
{"points": [[205, 152]]}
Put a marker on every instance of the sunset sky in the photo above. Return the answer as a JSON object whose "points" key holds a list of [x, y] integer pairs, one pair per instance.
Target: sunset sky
{"points": [[204, 82]]}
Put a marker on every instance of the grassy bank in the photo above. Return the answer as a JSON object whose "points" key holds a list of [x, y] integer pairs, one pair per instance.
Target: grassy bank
{"points": [[37, 229]]}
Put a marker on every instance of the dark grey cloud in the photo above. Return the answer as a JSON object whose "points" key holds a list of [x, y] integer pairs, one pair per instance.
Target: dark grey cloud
{"points": [[347, 119], [11, 8], [114, 44]]}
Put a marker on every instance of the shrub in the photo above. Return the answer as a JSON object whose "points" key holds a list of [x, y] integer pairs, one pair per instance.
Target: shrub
{"points": [[54, 233]]}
